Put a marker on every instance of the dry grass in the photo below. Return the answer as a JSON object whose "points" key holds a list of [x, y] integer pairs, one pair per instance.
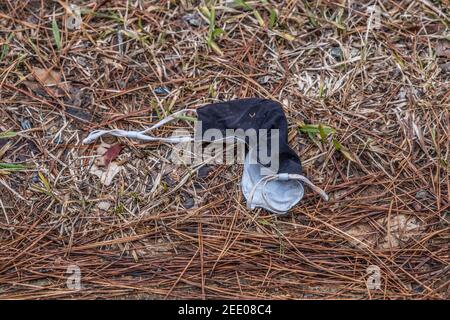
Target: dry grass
{"points": [[172, 233]]}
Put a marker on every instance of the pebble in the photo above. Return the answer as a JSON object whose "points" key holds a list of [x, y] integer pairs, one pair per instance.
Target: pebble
{"points": [[421, 195], [336, 53], [104, 205], [193, 19]]}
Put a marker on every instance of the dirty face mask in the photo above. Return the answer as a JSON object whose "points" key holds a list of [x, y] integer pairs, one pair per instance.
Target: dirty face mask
{"points": [[276, 190], [276, 185]]}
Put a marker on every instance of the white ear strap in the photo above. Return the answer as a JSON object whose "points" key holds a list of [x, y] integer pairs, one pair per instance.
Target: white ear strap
{"points": [[142, 134], [284, 177], [315, 188]]}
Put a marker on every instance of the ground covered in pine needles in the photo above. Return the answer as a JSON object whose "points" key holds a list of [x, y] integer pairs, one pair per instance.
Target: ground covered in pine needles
{"points": [[366, 93]]}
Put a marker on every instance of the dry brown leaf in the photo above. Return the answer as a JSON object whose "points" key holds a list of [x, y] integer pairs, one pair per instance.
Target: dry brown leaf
{"points": [[104, 167], [347, 154], [47, 77], [106, 176], [112, 153], [50, 79], [108, 153], [399, 229]]}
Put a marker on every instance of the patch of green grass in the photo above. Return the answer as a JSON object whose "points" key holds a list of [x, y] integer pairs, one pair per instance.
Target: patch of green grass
{"points": [[109, 15], [256, 14], [5, 47], [135, 196], [47, 189], [312, 130], [213, 31], [311, 16], [135, 35], [120, 209], [265, 222]]}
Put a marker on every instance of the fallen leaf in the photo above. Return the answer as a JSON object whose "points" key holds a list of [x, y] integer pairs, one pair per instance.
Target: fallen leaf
{"points": [[47, 77], [398, 230], [345, 152], [284, 35], [106, 176], [112, 153], [104, 167], [108, 153], [35, 87], [401, 229]]}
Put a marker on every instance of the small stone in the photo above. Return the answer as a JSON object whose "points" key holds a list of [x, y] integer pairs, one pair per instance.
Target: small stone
{"points": [[193, 19], [122, 84], [336, 53], [263, 79], [421, 194], [82, 61], [319, 161], [104, 205], [443, 49], [417, 288]]}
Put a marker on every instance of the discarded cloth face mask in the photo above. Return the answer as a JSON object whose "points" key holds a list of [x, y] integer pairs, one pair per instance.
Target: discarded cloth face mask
{"points": [[274, 188]]}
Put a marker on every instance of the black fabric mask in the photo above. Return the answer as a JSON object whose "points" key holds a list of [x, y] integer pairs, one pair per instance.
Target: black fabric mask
{"points": [[252, 113]]}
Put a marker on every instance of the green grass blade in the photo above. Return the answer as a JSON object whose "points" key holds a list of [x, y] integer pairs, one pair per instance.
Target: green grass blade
{"points": [[243, 4], [7, 134], [15, 166], [56, 33], [272, 18]]}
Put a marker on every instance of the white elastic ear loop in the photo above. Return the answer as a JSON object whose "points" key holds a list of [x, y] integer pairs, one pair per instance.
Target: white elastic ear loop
{"points": [[315, 188], [142, 134], [282, 176]]}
